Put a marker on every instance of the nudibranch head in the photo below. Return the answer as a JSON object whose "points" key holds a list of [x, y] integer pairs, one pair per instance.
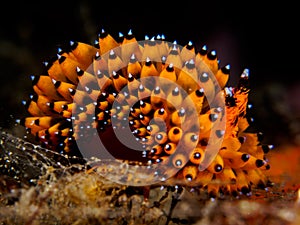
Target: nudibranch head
{"points": [[162, 105]]}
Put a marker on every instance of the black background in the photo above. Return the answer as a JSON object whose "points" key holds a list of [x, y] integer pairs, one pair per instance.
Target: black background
{"points": [[262, 37]]}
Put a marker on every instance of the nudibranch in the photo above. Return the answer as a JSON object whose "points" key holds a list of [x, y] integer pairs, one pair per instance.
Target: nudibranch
{"points": [[151, 102]]}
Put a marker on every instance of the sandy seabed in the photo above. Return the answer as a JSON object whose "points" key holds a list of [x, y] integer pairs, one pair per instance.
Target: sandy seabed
{"points": [[35, 189]]}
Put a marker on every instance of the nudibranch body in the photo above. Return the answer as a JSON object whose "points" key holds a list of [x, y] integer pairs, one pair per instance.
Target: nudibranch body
{"points": [[170, 101]]}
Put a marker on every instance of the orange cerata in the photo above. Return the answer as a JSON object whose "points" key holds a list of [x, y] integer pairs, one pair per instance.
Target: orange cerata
{"points": [[167, 107]]}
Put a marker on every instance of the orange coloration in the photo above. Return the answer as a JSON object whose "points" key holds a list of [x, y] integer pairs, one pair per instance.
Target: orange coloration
{"points": [[102, 88], [287, 170]]}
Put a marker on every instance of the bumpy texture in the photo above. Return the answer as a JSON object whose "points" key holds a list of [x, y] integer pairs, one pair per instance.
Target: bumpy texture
{"points": [[174, 100]]}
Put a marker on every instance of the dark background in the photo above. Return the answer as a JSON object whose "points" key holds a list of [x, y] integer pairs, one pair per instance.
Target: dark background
{"points": [[261, 37]]}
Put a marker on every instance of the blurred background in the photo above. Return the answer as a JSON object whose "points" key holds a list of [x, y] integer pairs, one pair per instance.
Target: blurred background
{"points": [[262, 38]]}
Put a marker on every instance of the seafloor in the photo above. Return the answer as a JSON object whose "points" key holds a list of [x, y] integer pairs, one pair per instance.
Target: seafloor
{"points": [[35, 189]]}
